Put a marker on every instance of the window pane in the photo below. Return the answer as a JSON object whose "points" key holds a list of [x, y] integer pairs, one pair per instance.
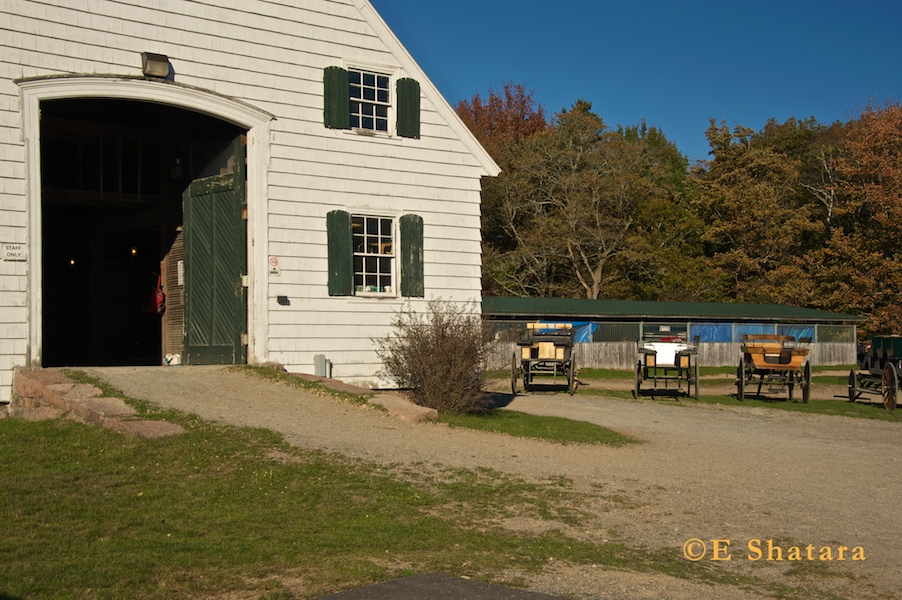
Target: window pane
{"points": [[373, 91]]}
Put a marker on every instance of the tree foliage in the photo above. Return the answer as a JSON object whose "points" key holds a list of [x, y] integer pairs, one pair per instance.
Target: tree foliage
{"points": [[799, 212]]}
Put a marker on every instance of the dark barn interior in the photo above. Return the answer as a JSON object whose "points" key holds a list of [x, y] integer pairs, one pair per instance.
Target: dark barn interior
{"points": [[112, 177]]}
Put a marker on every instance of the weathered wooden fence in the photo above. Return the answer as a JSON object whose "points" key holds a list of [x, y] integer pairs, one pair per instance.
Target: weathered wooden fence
{"points": [[624, 355]]}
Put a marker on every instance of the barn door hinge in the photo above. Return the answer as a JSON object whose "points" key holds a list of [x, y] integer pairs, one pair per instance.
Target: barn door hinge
{"points": [[244, 341], [244, 281]]}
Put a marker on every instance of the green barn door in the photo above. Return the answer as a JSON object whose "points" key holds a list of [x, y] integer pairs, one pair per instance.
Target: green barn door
{"points": [[216, 265]]}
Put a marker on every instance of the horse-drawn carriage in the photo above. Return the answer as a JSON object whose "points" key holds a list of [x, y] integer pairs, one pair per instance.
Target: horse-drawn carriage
{"points": [[778, 362], [879, 361], [546, 353], [669, 362]]}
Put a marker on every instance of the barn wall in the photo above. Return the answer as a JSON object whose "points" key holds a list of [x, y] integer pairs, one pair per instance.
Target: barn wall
{"points": [[271, 56]]}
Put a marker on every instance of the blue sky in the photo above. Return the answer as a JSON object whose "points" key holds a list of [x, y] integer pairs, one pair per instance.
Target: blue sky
{"points": [[673, 64]]}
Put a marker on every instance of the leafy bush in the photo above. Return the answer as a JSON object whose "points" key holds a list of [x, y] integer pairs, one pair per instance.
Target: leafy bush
{"points": [[439, 355]]}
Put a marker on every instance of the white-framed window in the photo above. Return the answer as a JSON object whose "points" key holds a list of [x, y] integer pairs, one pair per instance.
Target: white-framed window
{"points": [[370, 99], [367, 100], [374, 254]]}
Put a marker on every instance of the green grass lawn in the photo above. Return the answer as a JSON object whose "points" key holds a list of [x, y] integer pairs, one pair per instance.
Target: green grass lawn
{"points": [[870, 408], [554, 429], [221, 511], [93, 513]]}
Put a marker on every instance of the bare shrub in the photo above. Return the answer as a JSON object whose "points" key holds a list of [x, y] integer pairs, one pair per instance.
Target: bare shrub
{"points": [[440, 355]]}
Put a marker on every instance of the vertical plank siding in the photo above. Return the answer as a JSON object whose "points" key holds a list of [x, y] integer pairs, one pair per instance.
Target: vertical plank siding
{"points": [[624, 355], [270, 56]]}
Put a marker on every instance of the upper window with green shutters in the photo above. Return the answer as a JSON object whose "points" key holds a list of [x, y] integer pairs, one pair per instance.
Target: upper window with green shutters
{"points": [[370, 100], [366, 100]]}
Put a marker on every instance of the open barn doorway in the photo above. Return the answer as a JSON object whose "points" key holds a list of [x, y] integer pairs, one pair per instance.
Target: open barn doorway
{"points": [[113, 175]]}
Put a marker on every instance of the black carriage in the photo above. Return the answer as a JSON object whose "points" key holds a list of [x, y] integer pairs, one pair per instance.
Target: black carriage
{"points": [[545, 357]]}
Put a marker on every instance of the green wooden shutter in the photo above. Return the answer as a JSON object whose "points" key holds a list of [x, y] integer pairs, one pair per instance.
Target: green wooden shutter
{"points": [[412, 256], [341, 253], [336, 98], [408, 96]]}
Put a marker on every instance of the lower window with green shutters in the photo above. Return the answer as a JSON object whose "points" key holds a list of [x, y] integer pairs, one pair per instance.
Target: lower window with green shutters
{"points": [[366, 258]]}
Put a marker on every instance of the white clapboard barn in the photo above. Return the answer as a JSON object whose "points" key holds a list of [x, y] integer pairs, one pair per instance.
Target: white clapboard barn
{"points": [[282, 171]]}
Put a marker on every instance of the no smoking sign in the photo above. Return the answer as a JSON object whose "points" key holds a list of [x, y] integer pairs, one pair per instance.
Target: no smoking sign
{"points": [[274, 268]]}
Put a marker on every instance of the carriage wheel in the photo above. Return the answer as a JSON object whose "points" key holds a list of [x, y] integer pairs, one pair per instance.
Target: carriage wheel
{"points": [[638, 380], [792, 383], [853, 386], [740, 379], [571, 377], [696, 379], [514, 368], [890, 385], [806, 383]]}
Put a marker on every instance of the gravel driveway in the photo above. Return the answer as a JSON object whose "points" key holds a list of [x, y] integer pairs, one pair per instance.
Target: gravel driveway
{"points": [[706, 473]]}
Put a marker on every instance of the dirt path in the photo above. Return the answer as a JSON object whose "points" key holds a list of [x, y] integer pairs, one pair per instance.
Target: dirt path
{"points": [[709, 473]]}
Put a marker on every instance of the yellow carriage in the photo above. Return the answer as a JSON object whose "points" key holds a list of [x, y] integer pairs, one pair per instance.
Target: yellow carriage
{"points": [[777, 362]]}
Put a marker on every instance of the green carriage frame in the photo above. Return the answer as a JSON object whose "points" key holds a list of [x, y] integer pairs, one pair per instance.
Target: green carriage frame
{"points": [[879, 361]]}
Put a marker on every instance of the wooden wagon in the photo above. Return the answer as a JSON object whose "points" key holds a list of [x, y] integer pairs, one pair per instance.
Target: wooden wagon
{"points": [[879, 361], [669, 363], [546, 353], [777, 362]]}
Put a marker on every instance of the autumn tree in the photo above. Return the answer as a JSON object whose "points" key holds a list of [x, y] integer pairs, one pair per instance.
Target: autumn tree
{"points": [[759, 222], [857, 270], [502, 121], [582, 199]]}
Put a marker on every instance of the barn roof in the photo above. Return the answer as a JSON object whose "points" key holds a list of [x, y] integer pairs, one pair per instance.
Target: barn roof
{"points": [[497, 307]]}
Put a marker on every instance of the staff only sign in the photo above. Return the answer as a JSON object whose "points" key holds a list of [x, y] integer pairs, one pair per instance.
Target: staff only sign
{"points": [[14, 252]]}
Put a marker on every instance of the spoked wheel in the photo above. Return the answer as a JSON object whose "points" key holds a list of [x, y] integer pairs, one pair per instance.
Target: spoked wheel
{"points": [[853, 386], [806, 383], [740, 379], [792, 384], [571, 377], [638, 382], [890, 385], [514, 368], [695, 379]]}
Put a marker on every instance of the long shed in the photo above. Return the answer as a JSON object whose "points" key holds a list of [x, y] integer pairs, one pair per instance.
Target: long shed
{"points": [[223, 182], [607, 330]]}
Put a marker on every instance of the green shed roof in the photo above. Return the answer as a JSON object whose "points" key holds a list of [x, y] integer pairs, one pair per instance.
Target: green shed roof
{"points": [[551, 308]]}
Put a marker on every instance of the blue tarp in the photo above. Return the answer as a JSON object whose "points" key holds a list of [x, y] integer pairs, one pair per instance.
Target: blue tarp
{"points": [[582, 330]]}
